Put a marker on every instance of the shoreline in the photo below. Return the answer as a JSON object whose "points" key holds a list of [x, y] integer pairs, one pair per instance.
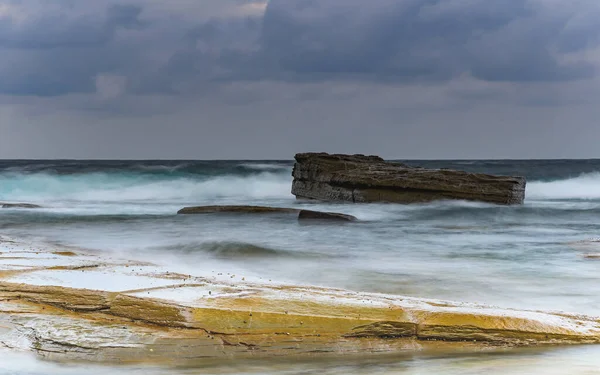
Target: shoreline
{"points": [[71, 305]]}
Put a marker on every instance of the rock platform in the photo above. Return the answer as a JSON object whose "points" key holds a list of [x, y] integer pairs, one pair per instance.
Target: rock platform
{"points": [[70, 304]]}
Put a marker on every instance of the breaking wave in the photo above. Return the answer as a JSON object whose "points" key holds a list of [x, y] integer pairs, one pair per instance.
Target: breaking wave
{"points": [[265, 166], [232, 250], [584, 187], [107, 187]]}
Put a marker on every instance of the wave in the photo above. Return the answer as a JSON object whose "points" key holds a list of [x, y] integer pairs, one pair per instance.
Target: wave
{"points": [[148, 167], [161, 168], [265, 166], [119, 187], [34, 219], [236, 250], [583, 187]]}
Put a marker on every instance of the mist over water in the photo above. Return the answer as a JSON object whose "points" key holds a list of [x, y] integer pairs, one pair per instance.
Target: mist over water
{"points": [[530, 256], [552, 361]]}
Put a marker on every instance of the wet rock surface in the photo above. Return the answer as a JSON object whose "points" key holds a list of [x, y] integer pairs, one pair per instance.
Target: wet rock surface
{"points": [[235, 210], [317, 215], [302, 214], [18, 205], [360, 178]]}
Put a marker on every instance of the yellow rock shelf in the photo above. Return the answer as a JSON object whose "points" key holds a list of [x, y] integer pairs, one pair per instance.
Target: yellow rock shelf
{"points": [[75, 305]]}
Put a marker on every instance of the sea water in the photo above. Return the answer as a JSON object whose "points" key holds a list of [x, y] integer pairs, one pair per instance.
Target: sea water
{"points": [[535, 256]]}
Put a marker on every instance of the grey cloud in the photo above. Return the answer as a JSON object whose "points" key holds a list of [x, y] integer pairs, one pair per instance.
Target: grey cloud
{"points": [[218, 51], [527, 50], [60, 54], [580, 31], [384, 41], [126, 16], [498, 40], [60, 30]]}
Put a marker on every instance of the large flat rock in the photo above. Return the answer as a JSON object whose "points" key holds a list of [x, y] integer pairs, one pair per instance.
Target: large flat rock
{"points": [[359, 178], [18, 205], [197, 210], [84, 307], [261, 210]]}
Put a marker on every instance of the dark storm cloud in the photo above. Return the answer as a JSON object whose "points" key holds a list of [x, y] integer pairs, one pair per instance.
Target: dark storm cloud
{"points": [[57, 54], [63, 51], [59, 31], [220, 50], [386, 41], [496, 40]]}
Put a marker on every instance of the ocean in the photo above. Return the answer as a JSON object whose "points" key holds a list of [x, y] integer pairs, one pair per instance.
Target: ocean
{"points": [[536, 256]]}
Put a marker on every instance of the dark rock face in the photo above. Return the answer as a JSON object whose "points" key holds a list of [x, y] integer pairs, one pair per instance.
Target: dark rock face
{"points": [[235, 209], [19, 205], [360, 178], [316, 215], [302, 214]]}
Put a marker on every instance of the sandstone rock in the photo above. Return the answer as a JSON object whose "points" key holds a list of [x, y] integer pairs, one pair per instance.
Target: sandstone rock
{"points": [[19, 205], [316, 215], [359, 178]]}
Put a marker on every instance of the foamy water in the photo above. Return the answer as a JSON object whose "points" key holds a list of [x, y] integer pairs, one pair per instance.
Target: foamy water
{"points": [[553, 361], [585, 187], [530, 257]]}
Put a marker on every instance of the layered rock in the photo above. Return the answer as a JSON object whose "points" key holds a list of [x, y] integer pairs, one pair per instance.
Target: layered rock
{"points": [[150, 314], [359, 178]]}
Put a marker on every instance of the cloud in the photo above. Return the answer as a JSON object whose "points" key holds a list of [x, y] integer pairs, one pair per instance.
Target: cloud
{"points": [[386, 42], [61, 28], [110, 86], [497, 40], [186, 48], [61, 51]]}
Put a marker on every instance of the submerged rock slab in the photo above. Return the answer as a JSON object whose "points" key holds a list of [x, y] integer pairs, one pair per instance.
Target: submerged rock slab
{"points": [[176, 318], [19, 205], [302, 214], [359, 178], [318, 215], [235, 210]]}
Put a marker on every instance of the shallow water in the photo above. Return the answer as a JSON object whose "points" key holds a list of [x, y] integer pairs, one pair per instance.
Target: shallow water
{"points": [[530, 256], [578, 361]]}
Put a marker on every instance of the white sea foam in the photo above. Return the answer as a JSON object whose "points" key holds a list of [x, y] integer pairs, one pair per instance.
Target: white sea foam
{"points": [[586, 186], [162, 168], [265, 166], [101, 187]]}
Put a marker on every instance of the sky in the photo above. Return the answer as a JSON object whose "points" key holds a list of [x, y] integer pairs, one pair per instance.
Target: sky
{"points": [[256, 79]]}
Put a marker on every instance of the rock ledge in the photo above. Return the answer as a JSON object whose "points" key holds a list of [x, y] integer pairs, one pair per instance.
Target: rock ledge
{"points": [[153, 314], [360, 178]]}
